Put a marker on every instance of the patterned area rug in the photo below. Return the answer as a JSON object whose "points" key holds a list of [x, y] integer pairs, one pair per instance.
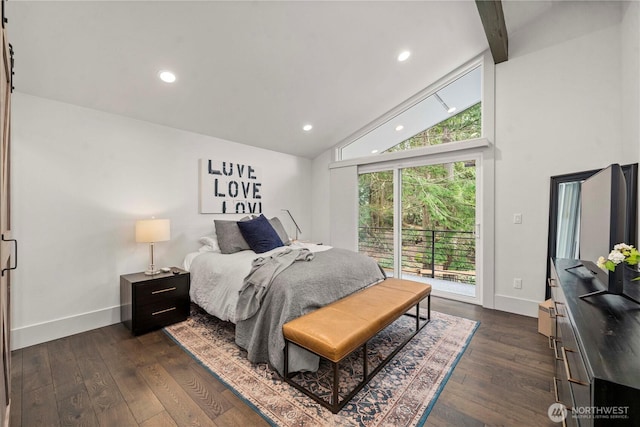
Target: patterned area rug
{"points": [[401, 394]]}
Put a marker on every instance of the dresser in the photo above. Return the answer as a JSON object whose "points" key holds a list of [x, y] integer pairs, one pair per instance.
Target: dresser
{"points": [[596, 345], [151, 302]]}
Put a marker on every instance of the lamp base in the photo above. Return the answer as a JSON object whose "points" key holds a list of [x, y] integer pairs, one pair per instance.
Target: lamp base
{"points": [[152, 270]]}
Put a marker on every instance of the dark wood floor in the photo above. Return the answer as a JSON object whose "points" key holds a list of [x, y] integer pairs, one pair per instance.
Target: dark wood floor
{"points": [[106, 377]]}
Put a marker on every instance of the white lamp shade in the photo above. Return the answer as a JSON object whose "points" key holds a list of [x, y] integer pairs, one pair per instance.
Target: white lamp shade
{"points": [[153, 230]]}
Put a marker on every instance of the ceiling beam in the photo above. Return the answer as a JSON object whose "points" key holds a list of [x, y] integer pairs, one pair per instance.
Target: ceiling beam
{"points": [[492, 18]]}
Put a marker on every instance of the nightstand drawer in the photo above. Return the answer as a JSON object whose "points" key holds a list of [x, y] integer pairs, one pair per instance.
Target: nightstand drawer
{"points": [[158, 307], [161, 290], [151, 302], [160, 314]]}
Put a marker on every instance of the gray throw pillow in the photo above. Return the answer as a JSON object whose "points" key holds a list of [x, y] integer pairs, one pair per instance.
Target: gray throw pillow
{"points": [[230, 239], [282, 233]]}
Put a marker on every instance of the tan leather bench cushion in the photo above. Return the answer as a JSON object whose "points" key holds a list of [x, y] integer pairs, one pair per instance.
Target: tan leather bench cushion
{"points": [[339, 328]]}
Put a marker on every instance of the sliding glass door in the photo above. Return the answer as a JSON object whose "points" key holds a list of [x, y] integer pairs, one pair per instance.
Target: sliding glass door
{"points": [[376, 218], [420, 223], [438, 226]]}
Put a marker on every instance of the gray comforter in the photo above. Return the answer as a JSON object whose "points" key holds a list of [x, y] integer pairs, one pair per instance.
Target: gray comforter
{"points": [[300, 289]]}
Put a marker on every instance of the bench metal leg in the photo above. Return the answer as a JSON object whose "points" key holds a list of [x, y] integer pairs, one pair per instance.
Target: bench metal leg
{"points": [[428, 317], [336, 383], [365, 364], [286, 358]]}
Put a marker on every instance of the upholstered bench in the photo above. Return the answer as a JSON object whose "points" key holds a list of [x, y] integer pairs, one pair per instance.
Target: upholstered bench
{"points": [[336, 330]]}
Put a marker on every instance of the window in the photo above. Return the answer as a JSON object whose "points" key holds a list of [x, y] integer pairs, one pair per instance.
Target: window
{"points": [[451, 113], [385, 223]]}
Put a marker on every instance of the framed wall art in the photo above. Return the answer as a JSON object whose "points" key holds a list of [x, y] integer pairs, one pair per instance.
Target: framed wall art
{"points": [[229, 188]]}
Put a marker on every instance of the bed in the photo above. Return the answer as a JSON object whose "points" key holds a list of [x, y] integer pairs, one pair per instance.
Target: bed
{"points": [[328, 274]]}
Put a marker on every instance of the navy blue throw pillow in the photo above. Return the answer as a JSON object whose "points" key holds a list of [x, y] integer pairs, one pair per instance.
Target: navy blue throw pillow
{"points": [[260, 234]]}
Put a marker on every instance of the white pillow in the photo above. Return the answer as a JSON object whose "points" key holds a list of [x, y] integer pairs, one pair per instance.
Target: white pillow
{"points": [[209, 244]]}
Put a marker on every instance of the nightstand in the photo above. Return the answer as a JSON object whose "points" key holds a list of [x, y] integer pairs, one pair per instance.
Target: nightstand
{"points": [[151, 302]]}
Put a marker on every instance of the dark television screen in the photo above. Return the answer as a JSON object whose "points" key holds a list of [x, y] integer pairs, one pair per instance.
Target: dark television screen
{"points": [[603, 219]]}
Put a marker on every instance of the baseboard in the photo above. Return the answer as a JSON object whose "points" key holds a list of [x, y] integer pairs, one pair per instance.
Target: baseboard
{"points": [[514, 305], [59, 328]]}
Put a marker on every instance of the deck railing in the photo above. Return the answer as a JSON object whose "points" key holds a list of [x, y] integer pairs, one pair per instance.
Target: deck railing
{"points": [[443, 254]]}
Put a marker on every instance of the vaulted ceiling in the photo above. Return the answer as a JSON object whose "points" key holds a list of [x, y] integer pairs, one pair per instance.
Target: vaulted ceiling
{"points": [[249, 72]]}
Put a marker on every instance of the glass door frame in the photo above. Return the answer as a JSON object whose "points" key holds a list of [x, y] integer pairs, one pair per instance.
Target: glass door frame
{"points": [[451, 157]]}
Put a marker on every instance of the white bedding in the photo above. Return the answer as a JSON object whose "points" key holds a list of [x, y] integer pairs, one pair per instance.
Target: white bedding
{"points": [[216, 278]]}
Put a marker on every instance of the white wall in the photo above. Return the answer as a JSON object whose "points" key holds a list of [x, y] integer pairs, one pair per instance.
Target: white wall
{"points": [[558, 110], [630, 72], [80, 180], [344, 207], [321, 182]]}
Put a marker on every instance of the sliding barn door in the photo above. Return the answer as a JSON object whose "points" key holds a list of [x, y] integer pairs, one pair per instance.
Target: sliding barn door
{"points": [[5, 227]]}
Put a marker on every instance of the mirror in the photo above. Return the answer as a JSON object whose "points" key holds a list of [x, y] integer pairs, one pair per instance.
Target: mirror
{"points": [[564, 213]]}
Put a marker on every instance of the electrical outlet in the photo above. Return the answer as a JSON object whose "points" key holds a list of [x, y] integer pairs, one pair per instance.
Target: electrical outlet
{"points": [[517, 218], [517, 283]]}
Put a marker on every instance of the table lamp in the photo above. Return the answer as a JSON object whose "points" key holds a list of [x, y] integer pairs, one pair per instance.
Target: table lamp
{"points": [[152, 231], [294, 222]]}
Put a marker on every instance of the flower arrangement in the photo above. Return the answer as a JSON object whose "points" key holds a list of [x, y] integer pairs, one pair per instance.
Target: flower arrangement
{"points": [[620, 253]]}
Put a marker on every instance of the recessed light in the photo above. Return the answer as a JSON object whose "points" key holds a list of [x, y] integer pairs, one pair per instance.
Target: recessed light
{"points": [[399, 128], [167, 76], [374, 151], [404, 56], [451, 110], [307, 128]]}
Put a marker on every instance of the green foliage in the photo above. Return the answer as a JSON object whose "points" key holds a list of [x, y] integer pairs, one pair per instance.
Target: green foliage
{"points": [[376, 199], [439, 197], [465, 125]]}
